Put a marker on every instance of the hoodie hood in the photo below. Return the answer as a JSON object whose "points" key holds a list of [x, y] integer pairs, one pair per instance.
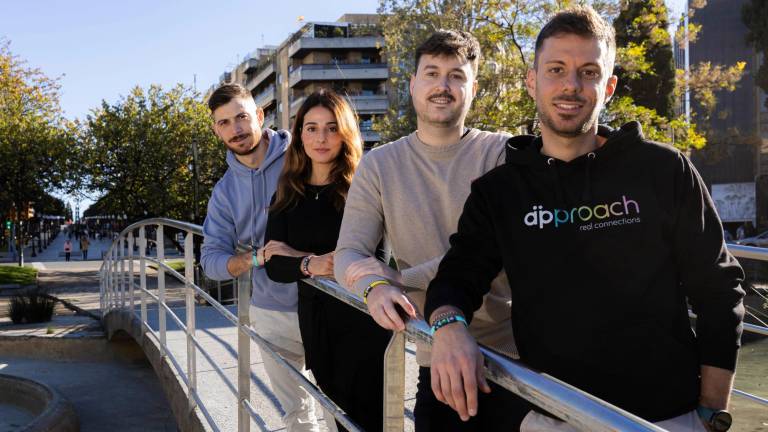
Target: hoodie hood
{"points": [[277, 144], [525, 150]]}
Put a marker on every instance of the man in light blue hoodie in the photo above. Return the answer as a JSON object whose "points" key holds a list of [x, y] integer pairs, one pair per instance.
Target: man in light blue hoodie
{"points": [[237, 213]]}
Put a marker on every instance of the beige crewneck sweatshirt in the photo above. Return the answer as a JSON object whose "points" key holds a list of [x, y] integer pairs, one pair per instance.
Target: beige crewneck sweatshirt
{"points": [[412, 194]]}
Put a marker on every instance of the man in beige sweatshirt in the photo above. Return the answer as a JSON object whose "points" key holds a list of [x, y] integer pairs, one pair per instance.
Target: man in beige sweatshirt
{"points": [[411, 193]]}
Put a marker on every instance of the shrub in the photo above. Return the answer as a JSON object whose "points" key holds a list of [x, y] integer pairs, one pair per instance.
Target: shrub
{"points": [[17, 308], [32, 307]]}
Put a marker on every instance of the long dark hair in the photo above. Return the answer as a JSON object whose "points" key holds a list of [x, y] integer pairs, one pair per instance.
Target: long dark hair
{"points": [[298, 166]]}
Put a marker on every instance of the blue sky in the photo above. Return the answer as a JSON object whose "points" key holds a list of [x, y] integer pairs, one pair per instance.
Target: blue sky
{"points": [[102, 49]]}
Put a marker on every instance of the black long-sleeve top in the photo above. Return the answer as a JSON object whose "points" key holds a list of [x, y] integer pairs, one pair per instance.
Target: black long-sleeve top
{"points": [[602, 253], [311, 226]]}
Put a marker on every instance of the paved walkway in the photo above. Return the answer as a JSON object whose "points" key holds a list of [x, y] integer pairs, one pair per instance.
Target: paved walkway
{"points": [[219, 337]]}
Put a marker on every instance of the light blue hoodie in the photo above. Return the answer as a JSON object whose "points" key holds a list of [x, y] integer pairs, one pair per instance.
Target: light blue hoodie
{"points": [[237, 213]]}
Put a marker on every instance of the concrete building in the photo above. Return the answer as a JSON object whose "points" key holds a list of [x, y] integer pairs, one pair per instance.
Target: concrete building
{"points": [[735, 165], [345, 55]]}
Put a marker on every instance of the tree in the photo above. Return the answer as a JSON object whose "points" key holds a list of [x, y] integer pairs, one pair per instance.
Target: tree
{"points": [[755, 17], [506, 30], [641, 33], [37, 147], [139, 154]]}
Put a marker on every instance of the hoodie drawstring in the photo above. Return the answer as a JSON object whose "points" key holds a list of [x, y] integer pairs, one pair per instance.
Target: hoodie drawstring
{"points": [[587, 194]]}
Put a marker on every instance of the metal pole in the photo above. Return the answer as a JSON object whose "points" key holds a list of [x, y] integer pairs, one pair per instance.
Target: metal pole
{"points": [[121, 251], [161, 285], [143, 274], [196, 177], [189, 262], [687, 66], [394, 383], [131, 273], [243, 351]]}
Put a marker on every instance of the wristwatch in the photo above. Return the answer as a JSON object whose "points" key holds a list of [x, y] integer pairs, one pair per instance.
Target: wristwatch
{"points": [[718, 420]]}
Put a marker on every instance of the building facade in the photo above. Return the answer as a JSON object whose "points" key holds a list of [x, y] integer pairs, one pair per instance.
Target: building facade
{"points": [[346, 56], [736, 157]]}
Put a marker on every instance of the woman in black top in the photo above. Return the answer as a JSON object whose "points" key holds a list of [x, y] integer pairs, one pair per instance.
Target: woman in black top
{"points": [[344, 347]]}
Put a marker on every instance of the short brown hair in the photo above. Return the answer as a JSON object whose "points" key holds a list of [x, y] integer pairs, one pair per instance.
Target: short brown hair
{"points": [[451, 43], [582, 21], [225, 93]]}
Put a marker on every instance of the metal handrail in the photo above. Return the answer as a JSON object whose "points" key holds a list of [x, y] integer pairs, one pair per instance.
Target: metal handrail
{"points": [[576, 407]]}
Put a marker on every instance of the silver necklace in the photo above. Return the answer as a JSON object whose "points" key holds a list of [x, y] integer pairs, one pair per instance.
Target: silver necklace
{"points": [[320, 190]]}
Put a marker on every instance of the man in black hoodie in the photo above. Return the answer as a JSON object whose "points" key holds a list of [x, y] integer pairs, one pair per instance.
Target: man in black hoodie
{"points": [[605, 238]]}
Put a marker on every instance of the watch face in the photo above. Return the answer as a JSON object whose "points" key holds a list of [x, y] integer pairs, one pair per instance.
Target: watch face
{"points": [[721, 421]]}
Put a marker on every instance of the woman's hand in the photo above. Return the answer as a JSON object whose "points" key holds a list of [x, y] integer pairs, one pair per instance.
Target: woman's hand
{"points": [[274, 247]]}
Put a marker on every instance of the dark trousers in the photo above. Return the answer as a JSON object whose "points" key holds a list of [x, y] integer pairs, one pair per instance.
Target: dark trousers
{"points": [[67, 255], [499, 410], [85, 254]]}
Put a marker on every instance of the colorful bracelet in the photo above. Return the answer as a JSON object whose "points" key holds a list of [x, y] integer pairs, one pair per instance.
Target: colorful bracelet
{"points": [[305, 265], [371, 286], [255, 258], [450, 319]]}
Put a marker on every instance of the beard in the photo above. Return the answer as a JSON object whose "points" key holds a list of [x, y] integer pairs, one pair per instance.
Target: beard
{"points": [[446, 119], [579, 127], [233, 146]]}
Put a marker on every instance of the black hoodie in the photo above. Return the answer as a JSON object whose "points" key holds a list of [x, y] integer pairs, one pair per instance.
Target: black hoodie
{"points": [[601, 254]]}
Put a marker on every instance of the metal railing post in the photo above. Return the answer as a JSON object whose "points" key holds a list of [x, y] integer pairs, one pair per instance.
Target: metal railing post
{"points": [[243, 351], [143, 274], [189, 274], [394, 383], [113, 276], [131, 273], [121, 253], [160, 243]]}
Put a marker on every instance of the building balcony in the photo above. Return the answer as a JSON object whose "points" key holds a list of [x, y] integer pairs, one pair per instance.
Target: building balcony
{"points": [[338, 71], [370, 136], [270, 121], [296, 103], [370, 104], [259, 78], [266, 97], [373, 104], [306, 44]]}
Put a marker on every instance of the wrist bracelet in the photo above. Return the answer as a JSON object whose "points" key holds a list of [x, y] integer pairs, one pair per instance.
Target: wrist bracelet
{"points": [[305, 265], [438, 317], [371, 286], [450, 319], [255, 259]]}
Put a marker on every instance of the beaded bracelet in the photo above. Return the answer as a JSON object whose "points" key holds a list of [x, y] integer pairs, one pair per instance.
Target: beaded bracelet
{"points": [[305, 265], [450, 319], [371, 286]]}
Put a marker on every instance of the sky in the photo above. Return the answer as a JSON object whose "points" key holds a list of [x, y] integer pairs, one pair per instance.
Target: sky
{"points": [[102, 48]]}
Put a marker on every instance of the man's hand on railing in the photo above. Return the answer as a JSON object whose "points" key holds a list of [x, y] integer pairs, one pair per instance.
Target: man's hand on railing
{"points": [[370, 266], [239, 263], [321, 265], [457, 368], [383, 301]]}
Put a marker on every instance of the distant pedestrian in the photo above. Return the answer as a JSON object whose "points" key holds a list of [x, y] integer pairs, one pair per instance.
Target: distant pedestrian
{"points": [[84, 243], [67, 249]]}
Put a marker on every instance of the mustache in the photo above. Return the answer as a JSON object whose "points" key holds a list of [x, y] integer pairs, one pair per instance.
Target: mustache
{"points": [[573, 98], [442, 95], [237, 138]]}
